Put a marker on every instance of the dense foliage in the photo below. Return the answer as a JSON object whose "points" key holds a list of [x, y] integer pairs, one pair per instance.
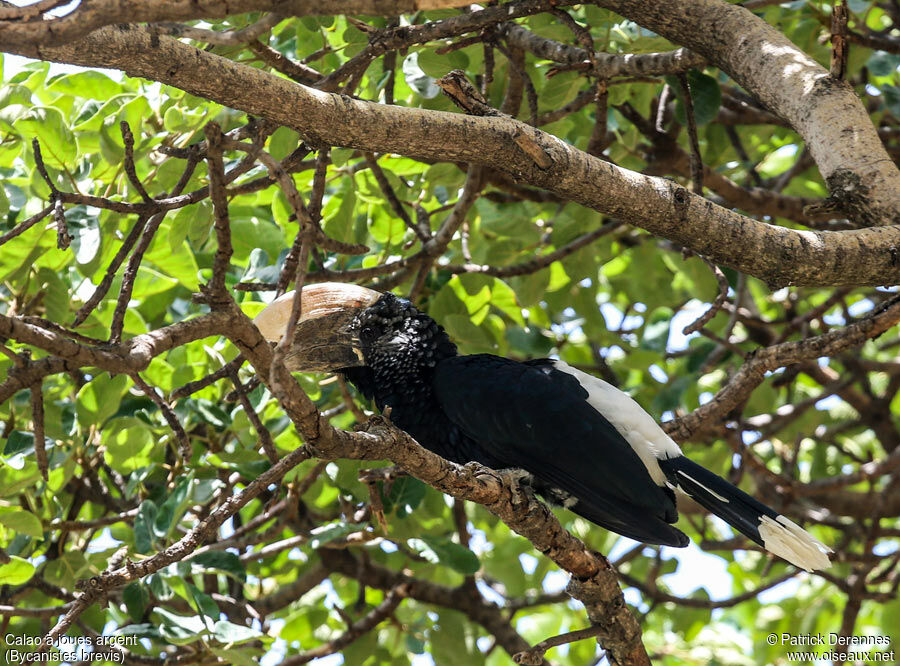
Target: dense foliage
{"points": [[382, 568]]}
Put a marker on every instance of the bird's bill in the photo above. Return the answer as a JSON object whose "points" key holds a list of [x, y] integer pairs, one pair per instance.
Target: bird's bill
{"points": [[323, 339]]}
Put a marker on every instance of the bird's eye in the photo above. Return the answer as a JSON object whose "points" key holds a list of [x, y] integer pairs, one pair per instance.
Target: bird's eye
{"points": [[368, 334]]}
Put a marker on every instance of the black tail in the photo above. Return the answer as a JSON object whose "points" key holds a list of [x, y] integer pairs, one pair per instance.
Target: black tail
{"points": [[746, 514]]}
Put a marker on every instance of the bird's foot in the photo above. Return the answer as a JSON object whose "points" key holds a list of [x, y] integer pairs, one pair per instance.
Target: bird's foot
{"points": [[520, 483], [376, 422]]}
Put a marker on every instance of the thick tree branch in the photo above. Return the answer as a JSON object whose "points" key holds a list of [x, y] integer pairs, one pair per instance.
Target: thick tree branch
{"points": [[826, 112], [780, 256], [93, 15], [606, 65]]}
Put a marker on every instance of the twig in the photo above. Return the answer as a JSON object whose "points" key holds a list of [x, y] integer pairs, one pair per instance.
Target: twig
{"points": [[419, 281], [227, 38], [215, 290], [660, 124], [295, 200], [600, 137], [265, 437], [522, 75], [752, 372], [73, 525], [184, 444], [63, 237], [696, 159], [840, 46], [391, 196], [381, 612], [42, 169], [536, 654], [293, 70], [204, 531], [316, 196], [128, 140], [212, 378], [29, 12], [24, 226], [102, 288], [534, 265], [37, 418], [354, 409], [703, 319], [129, 276]]}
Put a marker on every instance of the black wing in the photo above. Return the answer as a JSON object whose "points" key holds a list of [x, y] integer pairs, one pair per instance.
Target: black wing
{"points": [[534, 417]]}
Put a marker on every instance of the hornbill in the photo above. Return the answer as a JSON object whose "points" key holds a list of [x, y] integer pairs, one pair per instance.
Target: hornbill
{"points": [[578, 441]]}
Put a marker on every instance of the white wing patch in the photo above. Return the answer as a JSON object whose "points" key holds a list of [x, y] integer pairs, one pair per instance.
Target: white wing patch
{"points": [[638, 428]]}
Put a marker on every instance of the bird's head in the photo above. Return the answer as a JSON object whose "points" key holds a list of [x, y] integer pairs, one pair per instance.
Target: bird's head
{"points": [[345, 326]]}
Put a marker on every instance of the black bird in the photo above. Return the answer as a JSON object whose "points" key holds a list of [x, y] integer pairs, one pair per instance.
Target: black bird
{"points": [[579, 442]]}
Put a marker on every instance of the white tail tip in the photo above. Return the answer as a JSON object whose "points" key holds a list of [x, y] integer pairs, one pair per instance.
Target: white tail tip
{"points": [[788, 540]]}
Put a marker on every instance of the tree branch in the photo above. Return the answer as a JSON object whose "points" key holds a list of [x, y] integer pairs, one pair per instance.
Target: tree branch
{"points": [[779, 256]]}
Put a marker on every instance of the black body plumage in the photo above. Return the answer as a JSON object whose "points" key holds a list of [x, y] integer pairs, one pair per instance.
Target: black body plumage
{"points": [[578, 441], [506, 414]]}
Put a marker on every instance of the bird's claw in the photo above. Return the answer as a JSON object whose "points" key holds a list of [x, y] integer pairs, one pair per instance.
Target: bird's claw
{"points": [[519, 482]]}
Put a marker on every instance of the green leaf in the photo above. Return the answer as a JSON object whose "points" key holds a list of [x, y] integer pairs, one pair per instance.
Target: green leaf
{"points": [[58, 145], [128, 443], [883, 64], [701, 348], [465, 333], [241, 657], [23, 522], [282, 142], [65, 570], [417, 79], [99, 399], [405, 495], [332, 532], [706, 96], [559, 90], [670, 397], [221, 560], [174, 507], [144, 535], [141, 630], [136, 598], [16, 571], [436, 66], [440, 550], [338, 213], [56, 294], [13, 96], [203, 603], [179, 263], [228, 632], [18, 442], [85, 238], [93, 85], [891, 96], [179, 629], [250, 231], [656, 332], [530, 288]]}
